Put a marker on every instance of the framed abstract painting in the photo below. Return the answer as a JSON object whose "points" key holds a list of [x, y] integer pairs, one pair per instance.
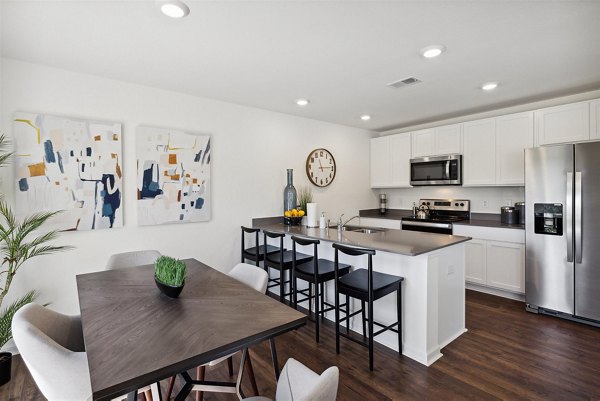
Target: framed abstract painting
{"points": [[173, 176], [69, 164]]}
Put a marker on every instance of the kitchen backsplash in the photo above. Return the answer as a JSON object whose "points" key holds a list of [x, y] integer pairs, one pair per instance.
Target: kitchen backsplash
{"points": [[483, 199]]}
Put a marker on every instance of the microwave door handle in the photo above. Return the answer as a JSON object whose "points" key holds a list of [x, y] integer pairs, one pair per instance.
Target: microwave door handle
{"points": [[447, 170], [569, 217], [578, 219]]}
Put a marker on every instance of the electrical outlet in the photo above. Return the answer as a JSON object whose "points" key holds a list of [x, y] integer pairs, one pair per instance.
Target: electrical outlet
{"points": [[484, 203], [508, 202]]}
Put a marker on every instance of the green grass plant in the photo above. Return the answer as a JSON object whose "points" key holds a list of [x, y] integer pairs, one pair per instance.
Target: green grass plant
{"points": [[170, 271]]}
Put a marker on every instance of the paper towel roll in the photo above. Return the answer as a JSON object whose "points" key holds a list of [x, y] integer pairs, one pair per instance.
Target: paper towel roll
{"points": [[312, 215]]}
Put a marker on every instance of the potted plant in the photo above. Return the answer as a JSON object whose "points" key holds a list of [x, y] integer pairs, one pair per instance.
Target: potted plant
{"points": [[169, 275], [19, 242]]}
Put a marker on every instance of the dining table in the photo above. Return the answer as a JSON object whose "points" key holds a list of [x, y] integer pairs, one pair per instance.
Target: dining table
{"points": [[136, 336]]}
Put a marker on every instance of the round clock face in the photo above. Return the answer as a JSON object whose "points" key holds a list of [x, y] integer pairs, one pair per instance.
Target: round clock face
{"points": [[320, 167]]}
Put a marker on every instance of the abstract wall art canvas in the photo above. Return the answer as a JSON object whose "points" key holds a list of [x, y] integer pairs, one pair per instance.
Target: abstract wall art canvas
{"points": [[173, 178], [69, 164]]}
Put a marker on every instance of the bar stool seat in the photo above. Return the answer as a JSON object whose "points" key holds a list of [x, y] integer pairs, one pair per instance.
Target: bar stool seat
{"points": [[326, 270], [257, 252], [368, 286], [357, 284], [282, 261], [317, 273]]}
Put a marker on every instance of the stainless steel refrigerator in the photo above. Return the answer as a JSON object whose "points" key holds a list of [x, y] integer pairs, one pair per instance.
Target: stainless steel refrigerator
{"points": [[562, 223]]}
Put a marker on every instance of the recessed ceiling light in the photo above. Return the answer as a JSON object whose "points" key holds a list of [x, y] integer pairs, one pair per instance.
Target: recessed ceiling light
{"points": [[302, 102], [432, 51], [365, 117], [488, 86], [173, 8]]}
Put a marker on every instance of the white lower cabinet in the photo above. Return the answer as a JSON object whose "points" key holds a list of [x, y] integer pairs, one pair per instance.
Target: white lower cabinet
{"points": [[505, 266], [494, 258], [475, 261]]}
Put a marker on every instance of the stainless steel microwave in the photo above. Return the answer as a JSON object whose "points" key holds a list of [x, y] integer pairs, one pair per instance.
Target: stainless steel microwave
{"points": [[436, 170]]}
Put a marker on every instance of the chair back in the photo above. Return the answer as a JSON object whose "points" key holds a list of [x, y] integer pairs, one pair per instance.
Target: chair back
{"points": [[305, 242], [132, 259], [51, 345], [252, 276], [353, 251], [270, 234], [248, 230], [299, 383]]}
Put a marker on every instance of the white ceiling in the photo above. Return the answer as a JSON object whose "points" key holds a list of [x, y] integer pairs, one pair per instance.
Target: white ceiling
{"points": [[338, 54]]}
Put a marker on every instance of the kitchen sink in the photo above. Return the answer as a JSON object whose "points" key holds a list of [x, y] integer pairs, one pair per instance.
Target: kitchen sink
{"points": [[364, 230]]}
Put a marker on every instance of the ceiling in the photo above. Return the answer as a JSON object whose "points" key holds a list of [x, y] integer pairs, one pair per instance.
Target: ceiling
{"points": [[338, 54]]}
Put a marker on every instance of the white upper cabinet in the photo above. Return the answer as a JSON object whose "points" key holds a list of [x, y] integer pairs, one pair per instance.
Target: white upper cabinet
{"points": [[400, 146], [390, 161], [423, 143], [381, 162], [448, 139], [479, 152], [514, 133], [595, 120], [563, 124], [442, 140]]}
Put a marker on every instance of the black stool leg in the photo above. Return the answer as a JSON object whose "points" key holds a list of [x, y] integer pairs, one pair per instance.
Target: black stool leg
{"points": [[370, 334], [400, 318], [317, 312], [295, 290], [281, 285], [309, 300], [363, 315], [347, 313], [337, 320], [322, 300]]}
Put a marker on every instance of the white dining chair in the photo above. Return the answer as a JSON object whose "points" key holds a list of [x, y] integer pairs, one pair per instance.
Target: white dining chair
{"points": [[299, 383], [256, 278], [132, 259], [51, 345]]}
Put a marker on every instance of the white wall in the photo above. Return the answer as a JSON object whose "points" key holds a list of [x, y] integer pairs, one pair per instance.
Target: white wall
{"points": [[251, 150], [403, 198]]}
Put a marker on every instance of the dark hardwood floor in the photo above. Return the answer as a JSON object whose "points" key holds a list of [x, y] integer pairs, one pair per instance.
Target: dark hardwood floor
{"points": [[507, 354]]}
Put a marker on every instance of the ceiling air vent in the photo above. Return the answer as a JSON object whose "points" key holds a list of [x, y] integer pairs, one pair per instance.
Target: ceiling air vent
{"points": [[404, 82]]}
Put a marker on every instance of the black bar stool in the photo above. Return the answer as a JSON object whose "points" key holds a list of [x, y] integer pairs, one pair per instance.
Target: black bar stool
{"points": [[282, 260], [257, 252], [317, 274], [368, 286]]}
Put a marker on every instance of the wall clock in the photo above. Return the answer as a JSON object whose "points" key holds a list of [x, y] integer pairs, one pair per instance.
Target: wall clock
{"points": [[320, 167]]}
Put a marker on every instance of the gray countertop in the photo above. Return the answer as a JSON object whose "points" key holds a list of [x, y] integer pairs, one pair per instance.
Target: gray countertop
{"points": [[409, 243], [477, 219]]}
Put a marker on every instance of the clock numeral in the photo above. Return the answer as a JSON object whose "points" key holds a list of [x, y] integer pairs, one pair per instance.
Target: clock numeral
{"points": [[311, 174], [316, 154], [327, 180], [321, 181], [321, 153], [330, 175], [312, 159], [330, 161]]}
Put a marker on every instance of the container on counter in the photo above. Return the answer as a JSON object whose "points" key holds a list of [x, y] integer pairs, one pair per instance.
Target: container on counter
{"points": [[509, 215], [520, 206]]}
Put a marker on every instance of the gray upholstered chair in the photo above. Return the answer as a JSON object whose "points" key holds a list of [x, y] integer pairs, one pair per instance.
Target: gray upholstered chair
{"points": [[299, 383], [131, 259], [256, 278], [51, 345]]}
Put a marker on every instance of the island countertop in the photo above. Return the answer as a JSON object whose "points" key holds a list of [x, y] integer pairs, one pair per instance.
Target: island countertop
{"points": [[409, 243]]}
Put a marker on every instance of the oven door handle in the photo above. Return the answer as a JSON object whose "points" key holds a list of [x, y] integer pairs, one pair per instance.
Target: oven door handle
{"points": [[426, 224]]}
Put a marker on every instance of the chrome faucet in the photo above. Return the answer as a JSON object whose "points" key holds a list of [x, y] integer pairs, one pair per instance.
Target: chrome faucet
{"points": [[342, 225]]}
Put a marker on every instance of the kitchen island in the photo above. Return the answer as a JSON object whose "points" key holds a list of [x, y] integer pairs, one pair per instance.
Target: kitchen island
{"points": [[433, 266]]}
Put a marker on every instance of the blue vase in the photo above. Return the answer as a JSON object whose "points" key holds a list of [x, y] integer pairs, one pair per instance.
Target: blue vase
{"points": [[289, 193]]}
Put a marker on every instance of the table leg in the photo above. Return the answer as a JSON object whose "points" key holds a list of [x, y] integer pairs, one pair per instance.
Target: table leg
{"points": [[274, 357], [132, 396]]}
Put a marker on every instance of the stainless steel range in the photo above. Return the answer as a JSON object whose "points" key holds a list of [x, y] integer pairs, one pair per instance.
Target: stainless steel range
{"points": [[437, 215]]}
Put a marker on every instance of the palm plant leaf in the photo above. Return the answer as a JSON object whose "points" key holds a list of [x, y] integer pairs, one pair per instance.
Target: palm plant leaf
{"points": [[6, 315], [4, 154]]}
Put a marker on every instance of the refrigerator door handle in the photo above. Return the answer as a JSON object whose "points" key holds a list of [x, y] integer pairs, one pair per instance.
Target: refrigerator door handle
{"points": [[569, 219], [578, 220]]}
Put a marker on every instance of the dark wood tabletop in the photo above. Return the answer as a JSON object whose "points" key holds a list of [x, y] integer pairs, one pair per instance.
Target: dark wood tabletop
{"points": [[135, 336]]}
